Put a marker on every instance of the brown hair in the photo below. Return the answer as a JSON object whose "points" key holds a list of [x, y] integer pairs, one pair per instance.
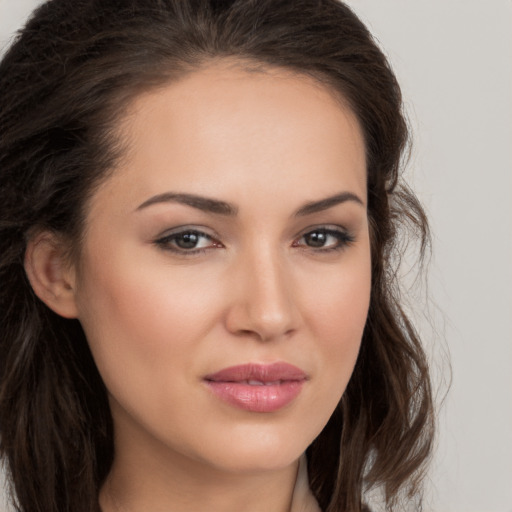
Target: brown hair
{"points": [[64, 84]]}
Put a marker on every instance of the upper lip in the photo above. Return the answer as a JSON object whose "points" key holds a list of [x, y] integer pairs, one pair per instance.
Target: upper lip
{"points": [[273, 372]]}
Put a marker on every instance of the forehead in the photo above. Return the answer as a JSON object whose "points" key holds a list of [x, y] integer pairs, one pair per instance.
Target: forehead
{"points": [[227, 128]]}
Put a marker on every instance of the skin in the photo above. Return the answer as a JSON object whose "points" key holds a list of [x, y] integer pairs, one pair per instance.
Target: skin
{"points": [[158, 321]]}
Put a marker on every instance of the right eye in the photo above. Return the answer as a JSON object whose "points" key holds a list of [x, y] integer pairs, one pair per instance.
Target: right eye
{"points": [[189, 241]]}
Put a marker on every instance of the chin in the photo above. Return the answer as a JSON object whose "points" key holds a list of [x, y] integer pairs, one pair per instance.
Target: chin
{"points": [[260, 450], [244, 461]]}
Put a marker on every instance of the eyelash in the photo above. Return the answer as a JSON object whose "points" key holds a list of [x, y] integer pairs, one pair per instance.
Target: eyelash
{"points": [[344, 239], [168, 242]]}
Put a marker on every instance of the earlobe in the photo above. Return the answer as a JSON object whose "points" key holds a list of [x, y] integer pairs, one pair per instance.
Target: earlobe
{"points": [[50, 275]]}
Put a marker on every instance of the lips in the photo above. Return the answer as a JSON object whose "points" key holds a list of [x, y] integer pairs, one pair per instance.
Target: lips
{"points": [[258, 387]]}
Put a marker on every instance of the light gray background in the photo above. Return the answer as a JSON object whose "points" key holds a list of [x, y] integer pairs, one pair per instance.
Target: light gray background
{"points": [[454, 61]]}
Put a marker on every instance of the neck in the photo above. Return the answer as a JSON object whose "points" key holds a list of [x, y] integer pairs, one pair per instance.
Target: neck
{"points": [[160, 480], [175, 491]]}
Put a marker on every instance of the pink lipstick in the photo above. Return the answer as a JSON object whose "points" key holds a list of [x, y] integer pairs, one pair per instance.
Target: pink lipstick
{"points": [[258, 387]]}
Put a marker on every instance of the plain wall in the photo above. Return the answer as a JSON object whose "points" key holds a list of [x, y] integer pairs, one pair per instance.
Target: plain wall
{"points": [[454, 61]]}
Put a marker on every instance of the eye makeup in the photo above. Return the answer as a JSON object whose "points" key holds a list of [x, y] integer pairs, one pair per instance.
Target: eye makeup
{"points": [[188, 241]]}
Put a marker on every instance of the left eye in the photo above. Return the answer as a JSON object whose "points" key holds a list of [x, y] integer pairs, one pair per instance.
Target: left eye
{"points": [[187, 241], [191, 241], [326, 239]]}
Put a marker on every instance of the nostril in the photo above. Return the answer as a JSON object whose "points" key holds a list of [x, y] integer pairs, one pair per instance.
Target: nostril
{"points": [[263, 305]]}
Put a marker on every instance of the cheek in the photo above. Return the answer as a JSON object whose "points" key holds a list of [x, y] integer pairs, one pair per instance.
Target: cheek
{"points": [[151, 326], [338, 299], [142, 319], [337, 312]]}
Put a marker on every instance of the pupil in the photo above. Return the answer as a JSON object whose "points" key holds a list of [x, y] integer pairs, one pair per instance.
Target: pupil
{"points": [[187, 240], [316, 239]]}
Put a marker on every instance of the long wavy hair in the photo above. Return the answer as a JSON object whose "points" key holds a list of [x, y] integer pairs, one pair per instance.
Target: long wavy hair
{"points": [[64, 85]]}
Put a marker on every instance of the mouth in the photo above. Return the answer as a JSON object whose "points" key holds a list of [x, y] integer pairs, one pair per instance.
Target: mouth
{"points": [[258, 387]]}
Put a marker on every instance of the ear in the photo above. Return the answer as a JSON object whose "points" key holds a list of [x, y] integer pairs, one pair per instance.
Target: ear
{"points": [[50, 274]]}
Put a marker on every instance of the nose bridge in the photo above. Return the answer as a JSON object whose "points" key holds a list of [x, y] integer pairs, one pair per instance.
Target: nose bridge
{"points": [[264, 304]]}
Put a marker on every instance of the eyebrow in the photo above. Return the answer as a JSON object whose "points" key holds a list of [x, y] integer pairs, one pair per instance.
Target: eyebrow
{"points": [[223, 208], [328, 202], [201, 203]]}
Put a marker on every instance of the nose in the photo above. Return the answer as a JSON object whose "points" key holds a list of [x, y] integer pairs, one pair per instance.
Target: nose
{"points": [[263, 304]]}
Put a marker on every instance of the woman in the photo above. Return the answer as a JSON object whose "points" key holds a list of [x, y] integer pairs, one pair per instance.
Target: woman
{"points": [[200, 202]]}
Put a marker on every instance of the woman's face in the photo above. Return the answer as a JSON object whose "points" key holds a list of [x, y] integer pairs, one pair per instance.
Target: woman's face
{"points": [[224, 281]]}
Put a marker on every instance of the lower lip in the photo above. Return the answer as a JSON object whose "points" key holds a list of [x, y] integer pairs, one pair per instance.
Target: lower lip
{"points": [[266, 398]]}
